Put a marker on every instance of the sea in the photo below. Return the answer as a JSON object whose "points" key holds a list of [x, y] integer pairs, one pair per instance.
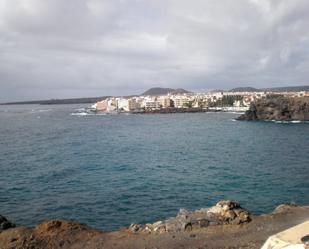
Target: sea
{"points": [[108, 171]]}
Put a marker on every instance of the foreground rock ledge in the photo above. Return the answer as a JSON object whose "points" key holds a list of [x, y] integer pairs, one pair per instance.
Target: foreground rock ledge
{"points": [[235, 229]]}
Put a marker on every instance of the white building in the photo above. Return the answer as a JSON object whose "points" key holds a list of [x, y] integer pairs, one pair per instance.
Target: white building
{"points": [[180, 101], [152, 104], [164, 101], [123, 104], [112, 105], [128, 104]]}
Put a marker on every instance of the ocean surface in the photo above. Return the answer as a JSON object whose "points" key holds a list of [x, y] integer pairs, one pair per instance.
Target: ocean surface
{"points": [[112, 170]]}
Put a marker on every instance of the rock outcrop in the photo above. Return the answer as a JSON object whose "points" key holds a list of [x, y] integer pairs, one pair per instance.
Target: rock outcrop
{"points": [[5, 224], [284, 207], [48, 235], [223, 213], [278, 108]]}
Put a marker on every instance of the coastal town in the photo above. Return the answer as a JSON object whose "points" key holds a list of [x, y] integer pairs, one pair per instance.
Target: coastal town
{"points": [[184, 101]]}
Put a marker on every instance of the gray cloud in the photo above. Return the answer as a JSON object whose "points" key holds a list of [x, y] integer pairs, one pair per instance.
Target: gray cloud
{"points": [[73, 48]]}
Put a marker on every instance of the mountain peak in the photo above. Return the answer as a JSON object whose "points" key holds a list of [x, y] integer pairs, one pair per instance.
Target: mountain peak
{"points": [[164, 91], [245, 89]]}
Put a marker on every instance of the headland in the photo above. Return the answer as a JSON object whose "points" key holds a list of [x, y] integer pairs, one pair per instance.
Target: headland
{"points": [[278, 108]]}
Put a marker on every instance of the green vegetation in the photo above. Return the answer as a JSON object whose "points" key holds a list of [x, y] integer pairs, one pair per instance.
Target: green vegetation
{"points": [[188, 104], [227, 100]]}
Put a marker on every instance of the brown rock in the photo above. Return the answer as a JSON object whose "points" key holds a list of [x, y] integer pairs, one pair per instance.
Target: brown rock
{"points": [[283, 208], [229, 214], [227, 205], [159, 226], [135, 228]]}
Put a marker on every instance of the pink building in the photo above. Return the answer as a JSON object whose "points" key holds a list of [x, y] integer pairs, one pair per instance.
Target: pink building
{"points": [[101, 106]]}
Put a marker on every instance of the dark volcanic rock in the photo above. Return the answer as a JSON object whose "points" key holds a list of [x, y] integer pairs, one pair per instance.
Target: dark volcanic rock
{"points": [[278, 108], [5, 224]]}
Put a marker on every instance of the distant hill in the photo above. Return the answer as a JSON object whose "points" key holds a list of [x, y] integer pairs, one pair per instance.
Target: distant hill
{"points": [[163, 91], [245, 89], [287, 89], [271, 89], [217, 91]]}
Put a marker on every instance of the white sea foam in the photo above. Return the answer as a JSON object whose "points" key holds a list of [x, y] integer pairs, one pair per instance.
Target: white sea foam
{"points": [[81, 114], [281, 122], [89, 113], [40, 110], [290, 122]]}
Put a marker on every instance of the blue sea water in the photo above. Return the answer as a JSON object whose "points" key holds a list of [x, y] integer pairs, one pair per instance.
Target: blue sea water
{"points": [[112, 170]]}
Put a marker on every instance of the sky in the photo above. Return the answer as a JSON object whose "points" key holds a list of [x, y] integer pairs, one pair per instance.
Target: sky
{"points": [[83, 48]]}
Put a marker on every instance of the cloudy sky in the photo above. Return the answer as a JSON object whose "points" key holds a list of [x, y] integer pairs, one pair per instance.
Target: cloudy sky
{"points": [[75, 48]]}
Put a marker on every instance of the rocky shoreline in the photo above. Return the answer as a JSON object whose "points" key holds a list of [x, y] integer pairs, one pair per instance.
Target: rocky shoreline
{"points": [[225, 225], [223, 213], [278, 108], [173, 110]]}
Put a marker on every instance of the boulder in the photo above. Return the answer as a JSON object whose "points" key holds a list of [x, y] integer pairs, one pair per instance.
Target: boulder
{"points": [[227, 205], [5, 224], [178, 225], [228, 212], [199, 223], [224, 212], [159, 227], [136, 228], [284, 208]]}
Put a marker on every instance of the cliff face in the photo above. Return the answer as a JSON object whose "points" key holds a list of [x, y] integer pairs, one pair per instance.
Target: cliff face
{"points": [[279, 109]]}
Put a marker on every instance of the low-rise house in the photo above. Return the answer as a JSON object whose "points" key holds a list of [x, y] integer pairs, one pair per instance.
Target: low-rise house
{"points": [[101, 106], [112, 105], [123, 104]]}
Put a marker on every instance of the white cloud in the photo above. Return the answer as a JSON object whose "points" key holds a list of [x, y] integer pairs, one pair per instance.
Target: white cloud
{"points": [[101, 47]]}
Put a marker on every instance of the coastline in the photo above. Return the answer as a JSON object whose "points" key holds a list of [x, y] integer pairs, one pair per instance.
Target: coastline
{"points": [[173, 110], [249, 234]]}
